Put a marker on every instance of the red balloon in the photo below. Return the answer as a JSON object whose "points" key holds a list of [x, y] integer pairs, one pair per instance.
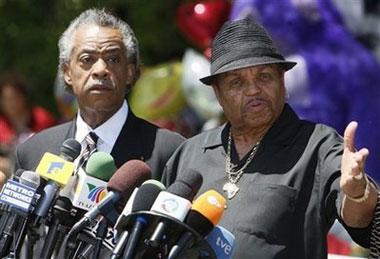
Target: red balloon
{"points": [[199, 21]]}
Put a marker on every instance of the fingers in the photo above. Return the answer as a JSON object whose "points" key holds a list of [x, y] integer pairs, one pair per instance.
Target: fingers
{"points": [[358, 163], [349, 136], [361, 155]]}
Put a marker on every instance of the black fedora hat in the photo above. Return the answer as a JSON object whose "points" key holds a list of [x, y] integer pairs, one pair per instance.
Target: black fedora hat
{"points": [[240, 44]]}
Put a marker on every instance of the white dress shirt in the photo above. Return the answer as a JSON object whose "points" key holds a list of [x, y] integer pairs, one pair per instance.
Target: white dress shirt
{"points": [[107, 132]]}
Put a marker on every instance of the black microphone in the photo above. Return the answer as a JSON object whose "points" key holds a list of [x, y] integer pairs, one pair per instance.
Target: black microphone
{"points": [[145, 197], [20, 197], [5, 208], [60, 206], [64, 213], [175, 202]]}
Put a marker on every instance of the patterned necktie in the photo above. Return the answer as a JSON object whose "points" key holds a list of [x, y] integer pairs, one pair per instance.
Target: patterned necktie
{"points": [[91, 140]]}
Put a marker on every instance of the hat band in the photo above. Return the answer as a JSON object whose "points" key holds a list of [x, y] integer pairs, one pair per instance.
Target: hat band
{"points": [[232, 56]]}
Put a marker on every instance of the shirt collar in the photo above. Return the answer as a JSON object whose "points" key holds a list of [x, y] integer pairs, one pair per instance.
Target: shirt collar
{"points": [[281, 132], [108, 131]]}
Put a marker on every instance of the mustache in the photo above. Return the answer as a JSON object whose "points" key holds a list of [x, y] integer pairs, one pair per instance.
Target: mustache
{"points": [[104, 84], [256, 100]]}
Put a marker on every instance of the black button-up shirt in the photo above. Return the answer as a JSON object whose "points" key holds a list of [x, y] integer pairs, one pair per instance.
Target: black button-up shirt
{"points": [[289, 194]]}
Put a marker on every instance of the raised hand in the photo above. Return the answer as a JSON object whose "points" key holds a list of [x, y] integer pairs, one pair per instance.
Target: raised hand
{"points": [[353, 181]]}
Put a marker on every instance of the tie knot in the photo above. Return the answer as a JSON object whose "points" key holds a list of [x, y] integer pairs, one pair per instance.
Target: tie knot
{"points": [[92, 138], [91, 141]]}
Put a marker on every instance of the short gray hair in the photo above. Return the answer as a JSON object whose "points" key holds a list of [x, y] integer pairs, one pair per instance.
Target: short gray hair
{"points": [[102, 18]]}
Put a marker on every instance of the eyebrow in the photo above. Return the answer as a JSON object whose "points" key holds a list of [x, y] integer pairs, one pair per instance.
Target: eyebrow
{"points": [[93, 50]]}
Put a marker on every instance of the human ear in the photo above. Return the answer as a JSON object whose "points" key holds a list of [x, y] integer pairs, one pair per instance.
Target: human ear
{"points": [[67, 74]]}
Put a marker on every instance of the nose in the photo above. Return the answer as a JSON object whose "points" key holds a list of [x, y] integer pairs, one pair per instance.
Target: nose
{"points": [[252, 87], [99, 69]]}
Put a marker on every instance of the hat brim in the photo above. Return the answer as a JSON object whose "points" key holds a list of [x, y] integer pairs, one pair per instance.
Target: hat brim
{"points": [[248, 62]]}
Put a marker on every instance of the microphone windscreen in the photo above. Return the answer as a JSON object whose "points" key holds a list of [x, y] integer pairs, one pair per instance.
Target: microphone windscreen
{"points": [[18, 172], [188, 185], [211, 205], [129, 176], [30, 178], [101, 165], [146, 195], [70, 149]]}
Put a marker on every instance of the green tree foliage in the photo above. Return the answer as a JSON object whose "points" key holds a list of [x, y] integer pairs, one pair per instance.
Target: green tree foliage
{"points": [[30, 29]]}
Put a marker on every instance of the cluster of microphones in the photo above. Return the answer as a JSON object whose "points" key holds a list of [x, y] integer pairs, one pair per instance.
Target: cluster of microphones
{"points": [[99, 211]]}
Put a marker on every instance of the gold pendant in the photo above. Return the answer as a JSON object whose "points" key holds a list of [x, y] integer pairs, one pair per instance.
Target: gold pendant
{"points": [[231, 189]]}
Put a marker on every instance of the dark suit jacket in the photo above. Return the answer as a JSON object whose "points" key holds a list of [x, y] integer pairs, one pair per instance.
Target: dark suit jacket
{"points": [[138, 139]]}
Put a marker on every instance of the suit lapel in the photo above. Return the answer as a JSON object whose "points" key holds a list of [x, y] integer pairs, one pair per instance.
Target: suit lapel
{"points": [[72, 129], [128, 145]]}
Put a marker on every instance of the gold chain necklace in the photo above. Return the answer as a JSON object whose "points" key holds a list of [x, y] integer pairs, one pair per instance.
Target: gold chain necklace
{"points": [[233, 176]]}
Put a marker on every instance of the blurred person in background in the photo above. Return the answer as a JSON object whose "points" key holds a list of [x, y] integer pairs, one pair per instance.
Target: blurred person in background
{"points": [[19, 118]]}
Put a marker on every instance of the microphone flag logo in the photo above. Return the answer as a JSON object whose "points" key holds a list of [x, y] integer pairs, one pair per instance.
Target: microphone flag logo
{"points": [[88, 191], [170, 205], [17, 195], [55, 168], [96, 193]]}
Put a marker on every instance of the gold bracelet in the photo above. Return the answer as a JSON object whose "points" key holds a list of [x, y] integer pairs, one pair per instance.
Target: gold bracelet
{"points": [[365, 195]]}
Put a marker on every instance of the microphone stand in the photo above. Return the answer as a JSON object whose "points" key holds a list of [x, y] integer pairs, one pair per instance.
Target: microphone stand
{"points": [[32, 237], [62, 219], [120, 245], [95, 247], [101, 233]]}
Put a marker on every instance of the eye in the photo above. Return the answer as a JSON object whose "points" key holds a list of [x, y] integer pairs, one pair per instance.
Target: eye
{"points": [[235, 83], [113, 59], [87, 59], [265, 77]]}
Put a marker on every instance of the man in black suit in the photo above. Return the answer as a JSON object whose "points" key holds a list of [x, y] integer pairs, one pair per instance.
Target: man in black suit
{"points": [[99, 62]]}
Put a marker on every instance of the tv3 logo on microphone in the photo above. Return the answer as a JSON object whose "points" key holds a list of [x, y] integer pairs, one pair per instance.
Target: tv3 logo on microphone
{"points": [[96, 193]]}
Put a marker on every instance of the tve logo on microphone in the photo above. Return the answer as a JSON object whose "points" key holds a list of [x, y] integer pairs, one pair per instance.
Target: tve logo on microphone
{"points": [[17, 195], [222, 242]]}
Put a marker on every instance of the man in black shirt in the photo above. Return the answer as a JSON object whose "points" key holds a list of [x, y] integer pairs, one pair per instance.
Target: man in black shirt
{"points": [[286, 180]]}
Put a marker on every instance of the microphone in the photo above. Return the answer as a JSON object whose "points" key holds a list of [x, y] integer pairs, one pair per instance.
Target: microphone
{"points": [[92, 183], [121, 224], [205, 213], [57, 170], [101, 165], [121, 185], [20, 197], [89, 191], [145, 197], [175, 202], [222, 242]]}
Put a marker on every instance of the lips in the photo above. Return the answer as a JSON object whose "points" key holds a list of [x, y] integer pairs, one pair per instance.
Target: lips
{"points": [[101, 87], [255, 103]]}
